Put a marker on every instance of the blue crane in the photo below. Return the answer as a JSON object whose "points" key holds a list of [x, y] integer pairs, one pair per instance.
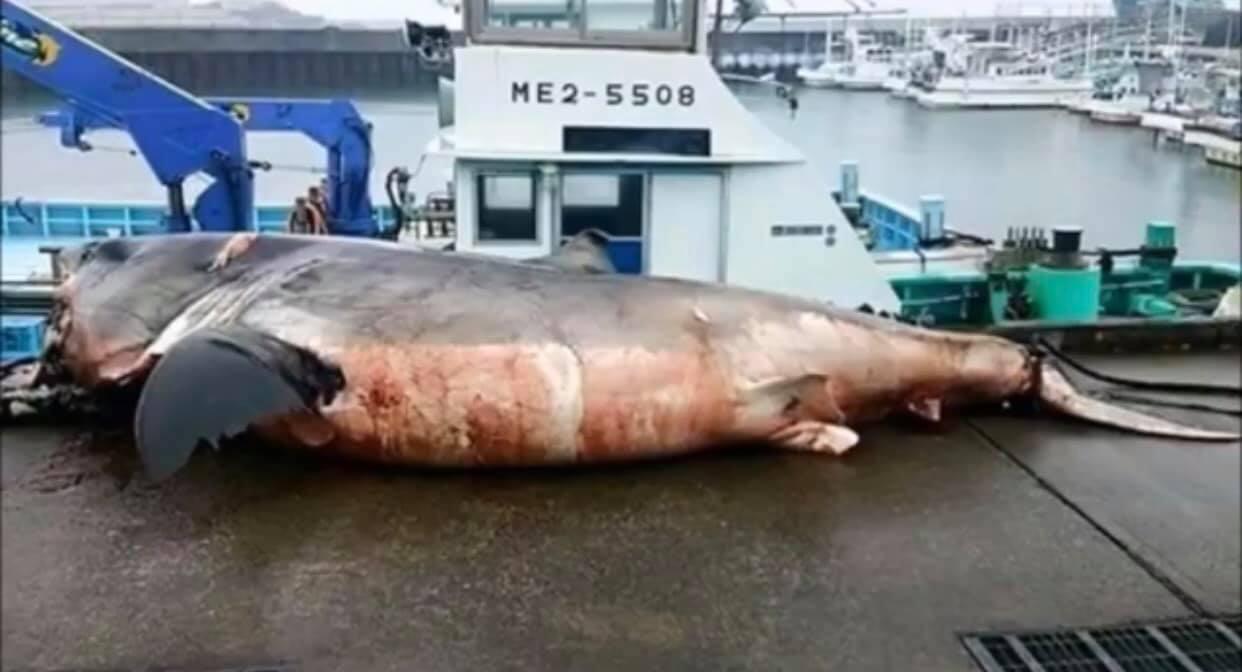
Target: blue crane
{"points": [[179, 134]]}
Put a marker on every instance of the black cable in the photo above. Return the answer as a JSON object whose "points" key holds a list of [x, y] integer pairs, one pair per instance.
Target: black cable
{"points": [[398, 212], [968, 237], [1193, 388]]}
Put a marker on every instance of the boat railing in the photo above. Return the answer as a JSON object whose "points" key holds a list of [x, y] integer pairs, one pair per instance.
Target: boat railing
{"points": [[431, 226], [67, 219], [893, 227]]}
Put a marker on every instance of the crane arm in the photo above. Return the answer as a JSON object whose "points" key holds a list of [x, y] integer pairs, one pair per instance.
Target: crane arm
{"points": [[177, 134], [334, 125]]}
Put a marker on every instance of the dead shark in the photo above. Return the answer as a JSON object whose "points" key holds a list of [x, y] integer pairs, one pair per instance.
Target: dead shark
{"points": [[390, 354]]}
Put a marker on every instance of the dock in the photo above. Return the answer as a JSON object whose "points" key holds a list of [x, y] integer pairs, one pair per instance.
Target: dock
{"points": [[753, 559]]}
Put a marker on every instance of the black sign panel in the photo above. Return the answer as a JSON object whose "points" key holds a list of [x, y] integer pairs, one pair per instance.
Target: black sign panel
{"points": [[629, 140]]}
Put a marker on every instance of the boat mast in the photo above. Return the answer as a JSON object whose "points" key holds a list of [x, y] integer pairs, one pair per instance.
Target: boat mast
{"points": [[906, 41], [827, 40], [1147, 35], [1172, 22], [1087, 59]]}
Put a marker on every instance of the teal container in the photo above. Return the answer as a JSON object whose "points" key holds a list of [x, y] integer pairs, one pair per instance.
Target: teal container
{"points": [[1161, 234], [1064, 294]]}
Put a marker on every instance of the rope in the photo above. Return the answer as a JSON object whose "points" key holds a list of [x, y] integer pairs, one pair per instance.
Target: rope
{"points": [[119, 150], [1191, 388], [291, 167]]}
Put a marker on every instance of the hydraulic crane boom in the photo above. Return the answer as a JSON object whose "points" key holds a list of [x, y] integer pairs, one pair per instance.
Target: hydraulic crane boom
{"points": [[178, 134], [334, 124]]}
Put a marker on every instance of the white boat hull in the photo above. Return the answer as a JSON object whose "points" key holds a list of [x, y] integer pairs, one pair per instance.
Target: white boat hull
{"points": [[860, 84], [816, 78], [1217, 149], [1116, 117], [831, 78], [991, 93], [1077, 104], [1127, 110], [900, 88], [1168, 126], [1231, 157]]}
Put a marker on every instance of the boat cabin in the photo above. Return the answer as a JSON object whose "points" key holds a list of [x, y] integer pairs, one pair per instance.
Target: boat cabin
{"points": [[568, 116]]}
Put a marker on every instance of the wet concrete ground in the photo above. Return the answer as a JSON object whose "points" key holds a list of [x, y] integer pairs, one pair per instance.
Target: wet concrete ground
{"points": [[747, 560]]}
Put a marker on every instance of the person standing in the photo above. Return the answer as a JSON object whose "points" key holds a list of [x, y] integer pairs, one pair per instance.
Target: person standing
{"points": [[319, 205], [299, 221]]}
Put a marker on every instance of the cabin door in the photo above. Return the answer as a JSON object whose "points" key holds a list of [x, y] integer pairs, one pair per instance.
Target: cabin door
{"points": [[685, 231]]}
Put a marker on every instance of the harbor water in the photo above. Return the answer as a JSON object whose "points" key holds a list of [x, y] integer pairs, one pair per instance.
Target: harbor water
{"points": [[996, 169]]}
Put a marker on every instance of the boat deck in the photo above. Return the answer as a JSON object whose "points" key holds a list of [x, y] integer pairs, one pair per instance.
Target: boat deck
{"points": [[745, 560]]}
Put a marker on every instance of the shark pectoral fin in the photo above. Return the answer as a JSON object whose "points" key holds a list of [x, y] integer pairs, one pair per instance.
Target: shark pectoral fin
{"points": [[217, 383], [805, 396], [926, 408], [816, 437]]}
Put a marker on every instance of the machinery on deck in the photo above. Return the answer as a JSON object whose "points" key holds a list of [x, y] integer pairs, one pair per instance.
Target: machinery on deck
{"points": [[179, 134]]}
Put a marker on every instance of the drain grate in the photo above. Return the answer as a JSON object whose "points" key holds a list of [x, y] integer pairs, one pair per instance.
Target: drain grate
{"points": [[1201, 645]]}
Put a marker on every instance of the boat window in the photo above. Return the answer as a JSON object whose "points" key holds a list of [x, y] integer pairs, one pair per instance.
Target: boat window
{"points": [[634, 23], [506, 205], [640, 15], [611, 203], [563, 14]]}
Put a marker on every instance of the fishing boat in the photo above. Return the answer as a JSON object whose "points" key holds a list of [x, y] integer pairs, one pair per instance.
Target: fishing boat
{"points": [[898, 83], [906, 69], [1221, 144], [973, 74], [1119, 97], [1217, 133], [866, 66]]}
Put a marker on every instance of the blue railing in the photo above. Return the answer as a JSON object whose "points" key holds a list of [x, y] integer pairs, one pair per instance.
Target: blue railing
{"points": [[66, 219], [892, 226]]}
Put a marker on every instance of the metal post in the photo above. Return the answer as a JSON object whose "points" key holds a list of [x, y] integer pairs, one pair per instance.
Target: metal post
{"points": [[547, 206], [931, 207], [849, 183]]}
